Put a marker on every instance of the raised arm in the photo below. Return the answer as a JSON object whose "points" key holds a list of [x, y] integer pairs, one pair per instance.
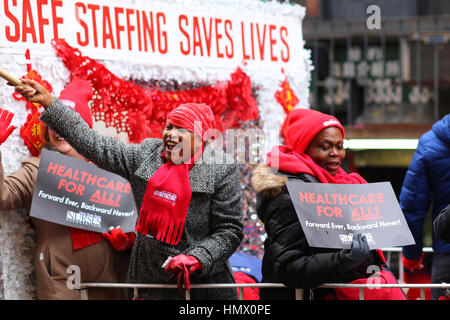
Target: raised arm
{"points": [[106, 152]]}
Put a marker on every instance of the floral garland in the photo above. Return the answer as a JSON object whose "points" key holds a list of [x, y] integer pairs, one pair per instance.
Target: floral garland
{"points": [[231, 101]]}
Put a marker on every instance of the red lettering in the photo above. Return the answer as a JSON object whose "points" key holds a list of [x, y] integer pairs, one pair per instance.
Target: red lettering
{"points": [[245, 55], [148, 30], [94, 8], [161, 49], [138, 23], [283, 57], [56, 20], [208, 35], [102, 197], [60, 170], [231, 53], [329, 211], [272, 42], [185, 33], [9, 36], [110, 185], [197, 41], [52, 168], [107, 28], [119, 186], [71, 186], [365, 213], [261, 44], [252, 40], [27, 17], [61, 183], [99, 184], [350, 199], [41, 20], [119, 27], [218, 37], [78, 6], [380, 197], [303, 197], [130, 27]]}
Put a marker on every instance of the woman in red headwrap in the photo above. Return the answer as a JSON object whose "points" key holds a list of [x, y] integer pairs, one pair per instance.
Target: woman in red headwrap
{"points": [[313, 153], [190, 216]]}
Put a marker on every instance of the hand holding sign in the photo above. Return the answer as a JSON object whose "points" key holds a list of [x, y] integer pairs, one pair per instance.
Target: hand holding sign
{"points": [[356, 255]]}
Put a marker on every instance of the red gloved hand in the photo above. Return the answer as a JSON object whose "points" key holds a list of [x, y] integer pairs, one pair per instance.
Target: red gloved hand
{"points": [[182, 266], [118, 239], [412, 265], [5, 128]]}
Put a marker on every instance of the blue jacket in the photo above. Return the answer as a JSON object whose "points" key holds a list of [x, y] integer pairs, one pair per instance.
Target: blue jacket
{"points": [[427, 181]]}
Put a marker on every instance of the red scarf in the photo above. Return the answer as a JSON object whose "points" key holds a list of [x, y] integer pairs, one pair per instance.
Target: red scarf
{"points": [[83, 238], [285, 159], [168, 193]]}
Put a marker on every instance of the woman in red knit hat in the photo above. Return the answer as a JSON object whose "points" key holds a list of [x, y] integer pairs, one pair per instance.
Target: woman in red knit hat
{"points": [[313, 153], [59, 246]]}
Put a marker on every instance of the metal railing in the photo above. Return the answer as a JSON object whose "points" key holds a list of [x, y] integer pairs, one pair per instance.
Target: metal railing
{"points": [[299, 293]]}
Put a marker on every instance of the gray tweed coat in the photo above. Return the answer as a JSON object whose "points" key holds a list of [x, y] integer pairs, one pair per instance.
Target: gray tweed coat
{"points": [[213, 227]]}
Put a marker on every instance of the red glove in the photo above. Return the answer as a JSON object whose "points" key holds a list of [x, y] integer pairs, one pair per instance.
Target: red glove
{"points": [[182, 266], [5, 128], [119, 240], [412, 265]]}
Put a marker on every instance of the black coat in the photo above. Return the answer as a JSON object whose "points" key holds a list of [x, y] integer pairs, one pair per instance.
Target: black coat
{"points": [[288, 258], [442, 225]]}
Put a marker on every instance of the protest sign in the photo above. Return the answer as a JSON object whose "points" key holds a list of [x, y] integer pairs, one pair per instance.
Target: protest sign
{"points": [[78, 194], [330, 214]]}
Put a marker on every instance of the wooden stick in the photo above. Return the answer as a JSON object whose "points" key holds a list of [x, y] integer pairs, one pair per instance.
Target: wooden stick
{"points": [[12, 79]]}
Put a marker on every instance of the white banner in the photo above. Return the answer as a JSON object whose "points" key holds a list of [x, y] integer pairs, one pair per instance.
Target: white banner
{"points": [[161, 33]]}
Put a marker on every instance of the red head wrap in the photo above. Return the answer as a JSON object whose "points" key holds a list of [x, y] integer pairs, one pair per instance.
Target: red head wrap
{"points": [[195, 117]]}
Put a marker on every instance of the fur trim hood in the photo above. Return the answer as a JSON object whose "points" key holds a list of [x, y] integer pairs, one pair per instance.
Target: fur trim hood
{"points": [[266, 182]]}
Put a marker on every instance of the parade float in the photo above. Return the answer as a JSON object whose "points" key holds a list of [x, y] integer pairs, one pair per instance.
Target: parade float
{"points": [[244, 58]]}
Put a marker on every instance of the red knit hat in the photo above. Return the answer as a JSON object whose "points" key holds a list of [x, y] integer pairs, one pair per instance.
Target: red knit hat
{"points": [[77, 95], [195, 117], [305, 124]]}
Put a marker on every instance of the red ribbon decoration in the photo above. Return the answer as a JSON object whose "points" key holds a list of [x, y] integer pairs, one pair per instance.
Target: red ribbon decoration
{"points": [[141, 112], [32, 131]]}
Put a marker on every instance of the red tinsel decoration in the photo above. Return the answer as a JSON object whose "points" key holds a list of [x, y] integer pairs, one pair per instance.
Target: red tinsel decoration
{"points": [[141, 112], [288, 100]]}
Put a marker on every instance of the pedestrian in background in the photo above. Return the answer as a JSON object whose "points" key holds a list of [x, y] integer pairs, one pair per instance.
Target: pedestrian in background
{"points": [[442, 225], [427, 183]]}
